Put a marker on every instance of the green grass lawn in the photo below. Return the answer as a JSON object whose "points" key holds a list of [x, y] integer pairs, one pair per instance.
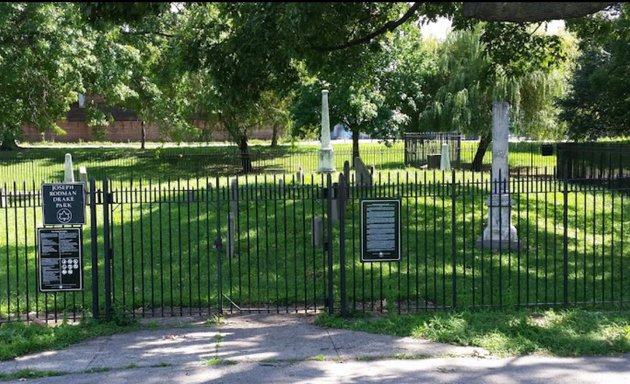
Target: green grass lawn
{"points": [[33, 165], [564, 332]]}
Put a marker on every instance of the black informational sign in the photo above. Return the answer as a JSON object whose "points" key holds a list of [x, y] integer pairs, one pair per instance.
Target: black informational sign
{"points": [[64, 203], [59, 261], [380, 230]]}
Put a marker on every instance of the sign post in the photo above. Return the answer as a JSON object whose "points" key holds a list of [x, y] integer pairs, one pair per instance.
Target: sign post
{"points": [[60, 259], [380, 230]]}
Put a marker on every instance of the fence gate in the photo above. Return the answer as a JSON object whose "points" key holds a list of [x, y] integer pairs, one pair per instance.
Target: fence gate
{"points": [[174, 248]]}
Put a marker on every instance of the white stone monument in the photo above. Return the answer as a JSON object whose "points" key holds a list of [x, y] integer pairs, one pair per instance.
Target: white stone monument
{"points": [[326, 153], [68, 173], [500, 234], [445, 161]]}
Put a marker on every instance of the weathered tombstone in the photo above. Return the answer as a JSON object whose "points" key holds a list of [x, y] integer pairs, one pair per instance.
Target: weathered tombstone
{"points": [[317, 234], [234, 190], [326, 153], [346, 172], [3, 198], [84, 179], [445, 161], [281, 187], [299, 177], [363, 176], [346, 168], [500, 233], [231, 234], [68, 173], [334, 190], [234, 198], [433, 161]]}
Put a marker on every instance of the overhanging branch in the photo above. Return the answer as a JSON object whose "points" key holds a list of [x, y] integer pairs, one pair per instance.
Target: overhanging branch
{"points": [[388, 27]]}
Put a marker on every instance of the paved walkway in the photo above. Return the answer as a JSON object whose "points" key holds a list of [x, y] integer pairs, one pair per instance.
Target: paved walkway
{"points": [[290, 349]]}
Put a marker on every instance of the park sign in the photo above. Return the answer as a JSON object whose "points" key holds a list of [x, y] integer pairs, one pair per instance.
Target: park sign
{"points": [[380, 230], [60, 264], [64, 203]]}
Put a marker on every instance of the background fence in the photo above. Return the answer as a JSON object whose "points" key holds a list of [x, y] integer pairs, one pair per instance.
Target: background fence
{"points": [[594, 160], [46, 164], [211, 245]]}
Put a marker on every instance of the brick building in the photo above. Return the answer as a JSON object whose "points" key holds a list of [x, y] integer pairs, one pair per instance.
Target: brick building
{"points": [[125, 128]]}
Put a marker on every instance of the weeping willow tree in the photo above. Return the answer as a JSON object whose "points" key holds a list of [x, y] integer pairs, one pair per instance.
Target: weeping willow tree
{"points": [[468, 80]]}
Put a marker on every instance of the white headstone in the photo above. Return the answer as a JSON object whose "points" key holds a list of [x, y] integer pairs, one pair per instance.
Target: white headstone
{"points": [[445, 161], [68, 173], [326, 153], [84, 179]]}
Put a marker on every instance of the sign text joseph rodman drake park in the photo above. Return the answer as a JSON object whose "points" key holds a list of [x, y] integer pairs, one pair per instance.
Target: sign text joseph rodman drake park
{"points": [[64, 203]]}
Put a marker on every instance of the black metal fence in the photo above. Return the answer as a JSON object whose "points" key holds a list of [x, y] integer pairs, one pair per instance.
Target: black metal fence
{"points": [[173, 248], [425, 148], [594, 160]]}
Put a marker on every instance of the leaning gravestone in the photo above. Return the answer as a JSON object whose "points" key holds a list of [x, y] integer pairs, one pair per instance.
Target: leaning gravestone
{"points": [[363, 175]]}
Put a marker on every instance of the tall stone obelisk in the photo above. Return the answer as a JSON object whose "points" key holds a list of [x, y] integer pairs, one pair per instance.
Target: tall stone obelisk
{"points": [[326, 153], [500, 234]]}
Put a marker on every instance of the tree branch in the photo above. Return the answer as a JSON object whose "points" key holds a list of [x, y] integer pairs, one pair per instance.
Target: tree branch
{"points": [[388, 27], [147, 33]]}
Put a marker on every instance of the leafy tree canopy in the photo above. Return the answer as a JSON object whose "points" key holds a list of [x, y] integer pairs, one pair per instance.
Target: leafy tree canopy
{"points": [[598, 103]]}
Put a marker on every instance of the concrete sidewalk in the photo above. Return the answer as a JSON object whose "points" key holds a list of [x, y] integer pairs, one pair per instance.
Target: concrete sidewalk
{"points": [[289, 348]]}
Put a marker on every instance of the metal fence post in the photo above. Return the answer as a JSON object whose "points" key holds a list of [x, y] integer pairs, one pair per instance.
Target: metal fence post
{"points": [[94, 235], [565, 250], [453, 239], [219, 246], [107, 250], [341, 199], [328, 243]]}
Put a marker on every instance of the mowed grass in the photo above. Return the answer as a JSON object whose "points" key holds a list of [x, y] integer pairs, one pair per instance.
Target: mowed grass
{"points": [[560, 332], [31, 166], [17, 339], [166, 259]]}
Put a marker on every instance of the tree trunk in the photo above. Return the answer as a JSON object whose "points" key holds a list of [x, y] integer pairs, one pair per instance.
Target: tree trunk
{"points": [[355, 145], [246, 161], [143, 139], [8, 141], [274, 136], [485, 141]]}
